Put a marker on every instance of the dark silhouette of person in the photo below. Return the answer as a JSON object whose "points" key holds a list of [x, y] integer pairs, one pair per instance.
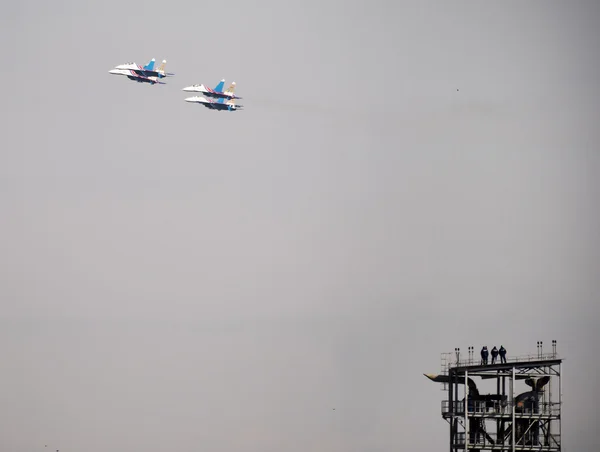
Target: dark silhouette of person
{"points": [[502, 353], [484, 355], [494, 354]]}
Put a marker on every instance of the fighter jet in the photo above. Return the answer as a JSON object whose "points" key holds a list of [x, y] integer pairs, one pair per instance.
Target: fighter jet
{"points": [[146, 74], [216, 93], [219, 104]]}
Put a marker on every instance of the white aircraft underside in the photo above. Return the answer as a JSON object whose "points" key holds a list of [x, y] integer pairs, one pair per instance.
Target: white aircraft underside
{"points": [[215, 104]]}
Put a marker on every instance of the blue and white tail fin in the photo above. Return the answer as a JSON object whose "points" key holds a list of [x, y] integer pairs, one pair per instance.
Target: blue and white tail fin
{"points": [[219, 87], [150, 65]]}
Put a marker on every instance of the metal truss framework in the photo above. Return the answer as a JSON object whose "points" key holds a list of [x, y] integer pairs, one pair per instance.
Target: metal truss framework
{"points": [[504, 420]]}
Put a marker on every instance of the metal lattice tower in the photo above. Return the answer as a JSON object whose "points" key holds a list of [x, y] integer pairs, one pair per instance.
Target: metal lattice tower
{"points": [[522, 412]]}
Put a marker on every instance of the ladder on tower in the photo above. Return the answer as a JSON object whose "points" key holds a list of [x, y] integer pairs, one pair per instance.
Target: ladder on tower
{"points": [[445, 361]]}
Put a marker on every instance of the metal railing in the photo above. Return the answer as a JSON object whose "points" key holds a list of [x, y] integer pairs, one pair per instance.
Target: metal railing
{"points": [[528, 440], [499, 407], [455, 359]]}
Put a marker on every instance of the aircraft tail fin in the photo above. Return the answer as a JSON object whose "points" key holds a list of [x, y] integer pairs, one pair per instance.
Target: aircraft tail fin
{"points": [[161, 68], [231, 88], [219, 87], [150, 65]]}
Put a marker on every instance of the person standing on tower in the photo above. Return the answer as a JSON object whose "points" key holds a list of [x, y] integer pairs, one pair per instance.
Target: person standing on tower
{"points": [[502, 353], [494, 354], [484, 355]]}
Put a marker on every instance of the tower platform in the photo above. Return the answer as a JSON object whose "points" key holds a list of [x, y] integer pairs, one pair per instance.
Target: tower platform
{"points": [[521, 412]]}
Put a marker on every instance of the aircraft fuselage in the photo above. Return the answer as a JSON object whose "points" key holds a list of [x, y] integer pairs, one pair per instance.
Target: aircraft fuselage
{"points": [[214, 105], [135, 76]]}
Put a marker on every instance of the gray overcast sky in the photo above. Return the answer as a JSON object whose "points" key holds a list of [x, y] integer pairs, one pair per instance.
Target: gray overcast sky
{"points": [[174, 278]]}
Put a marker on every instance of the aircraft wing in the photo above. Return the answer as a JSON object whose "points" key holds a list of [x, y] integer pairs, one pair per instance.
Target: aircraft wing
{"points": [[156, 74], [222, 95], [209, 92], [142, 78], [148, 70], [212, 93], [213, 104], [198, 100], [145, 73], [208, 103]]}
